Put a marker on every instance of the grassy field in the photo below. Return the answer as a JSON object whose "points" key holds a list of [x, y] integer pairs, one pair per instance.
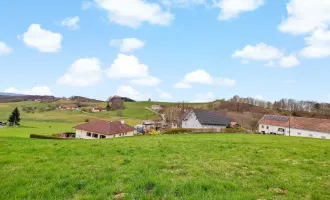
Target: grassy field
{"points": [[166, 167]]}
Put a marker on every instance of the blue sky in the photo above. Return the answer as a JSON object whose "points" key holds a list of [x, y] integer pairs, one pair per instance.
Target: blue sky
{"points": [[168, 50]]}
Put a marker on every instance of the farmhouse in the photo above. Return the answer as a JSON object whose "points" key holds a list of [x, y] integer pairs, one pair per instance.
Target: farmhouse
{"points": [[295, 126], [101, 129], [207, 119], [99, 109]]}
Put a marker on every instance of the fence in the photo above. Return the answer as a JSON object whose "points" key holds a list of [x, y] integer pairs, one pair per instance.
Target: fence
{"points": [[201, 130]]}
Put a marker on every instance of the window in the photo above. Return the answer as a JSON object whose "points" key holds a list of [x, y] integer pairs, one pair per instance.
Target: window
{"points": [[262, 126], [267, 127], [310, 135], [120, 134], [102, 136], [95, 135], [89, 134], [281, 130], [299, 133]]}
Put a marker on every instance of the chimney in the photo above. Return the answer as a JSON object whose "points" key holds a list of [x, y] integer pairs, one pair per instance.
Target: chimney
{"points": [[122, 121]]}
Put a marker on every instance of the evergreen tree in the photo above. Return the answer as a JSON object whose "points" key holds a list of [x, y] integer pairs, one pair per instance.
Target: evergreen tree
{"points": [[108, 106], [14, 118]]}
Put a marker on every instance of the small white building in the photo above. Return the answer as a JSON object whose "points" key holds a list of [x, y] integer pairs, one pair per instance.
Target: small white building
{"points": [[101, 129], [204, 119], [295, 126]]}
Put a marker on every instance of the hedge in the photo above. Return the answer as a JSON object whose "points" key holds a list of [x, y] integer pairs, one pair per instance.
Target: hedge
{"points": [[178, 131], [44, 137]]}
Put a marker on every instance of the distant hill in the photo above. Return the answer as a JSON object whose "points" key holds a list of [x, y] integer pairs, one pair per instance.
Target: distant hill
{"points": [[10, 94]]}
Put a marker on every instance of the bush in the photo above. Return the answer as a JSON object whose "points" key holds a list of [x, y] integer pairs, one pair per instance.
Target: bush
{"points": [[86, 120], [44, 137], [178, 131], [153, 132], [233, 130]]}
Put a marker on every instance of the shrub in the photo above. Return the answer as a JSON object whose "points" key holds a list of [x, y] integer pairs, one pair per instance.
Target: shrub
{"points": [[86, 120], [43, 137], [178, 131], [233, 130], [153, 132]]}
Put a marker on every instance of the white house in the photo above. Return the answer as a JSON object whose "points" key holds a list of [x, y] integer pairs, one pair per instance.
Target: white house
{"points": [[207, 119], [101, 129], [295, 126]]}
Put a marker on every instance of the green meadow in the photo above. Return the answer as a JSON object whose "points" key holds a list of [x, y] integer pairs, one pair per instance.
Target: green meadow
{"points": [[196, 166]]}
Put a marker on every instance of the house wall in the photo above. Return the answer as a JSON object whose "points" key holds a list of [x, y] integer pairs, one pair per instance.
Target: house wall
{"points": [[193, 123], [294, 132], [80, 134]]}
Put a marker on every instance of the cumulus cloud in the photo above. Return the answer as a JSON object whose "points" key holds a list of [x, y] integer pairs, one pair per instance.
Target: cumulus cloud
{"points": [[202, 77], [127, 44], [318, 44], [83, 72], [128, 91], [232, 8], [129, 67], [208, 97], [71, 22], [133, 13], [164, 95], [305, 16], [38, 90], [41, 39], [260, 52], [4, 49], [289, 61]]}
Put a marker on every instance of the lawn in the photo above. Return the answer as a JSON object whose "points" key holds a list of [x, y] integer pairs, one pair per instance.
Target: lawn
{"points": [[219, 166]]}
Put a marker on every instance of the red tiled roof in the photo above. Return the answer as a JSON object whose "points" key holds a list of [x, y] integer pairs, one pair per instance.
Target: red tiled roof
{"points": [[105, 127], [311, 124]]}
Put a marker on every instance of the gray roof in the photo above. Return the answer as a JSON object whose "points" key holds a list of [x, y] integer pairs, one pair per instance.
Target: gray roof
{"points": [[210, 117]]}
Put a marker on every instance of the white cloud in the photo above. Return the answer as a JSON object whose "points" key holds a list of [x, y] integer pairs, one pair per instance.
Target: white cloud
{"points": [[38, 90], [318, 44], [182, 85], [259, 97], [133, 13], [128, 91], [305, 16], [83, 72], [289, 61], [208, 97], [86, 5], [146, 81], [71, 22], [202, 77], [127, 67], [127, 44], [259, 52], [43, 40], [290, 81], [232, 8], [164, 95], [4, 49], [270, 64]]}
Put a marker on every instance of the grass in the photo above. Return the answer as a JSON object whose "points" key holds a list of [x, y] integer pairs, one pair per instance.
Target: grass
{"points": [[209, 166]]}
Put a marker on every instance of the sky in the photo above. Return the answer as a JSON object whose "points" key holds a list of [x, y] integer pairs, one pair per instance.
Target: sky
{"points": [[166, 50]]}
